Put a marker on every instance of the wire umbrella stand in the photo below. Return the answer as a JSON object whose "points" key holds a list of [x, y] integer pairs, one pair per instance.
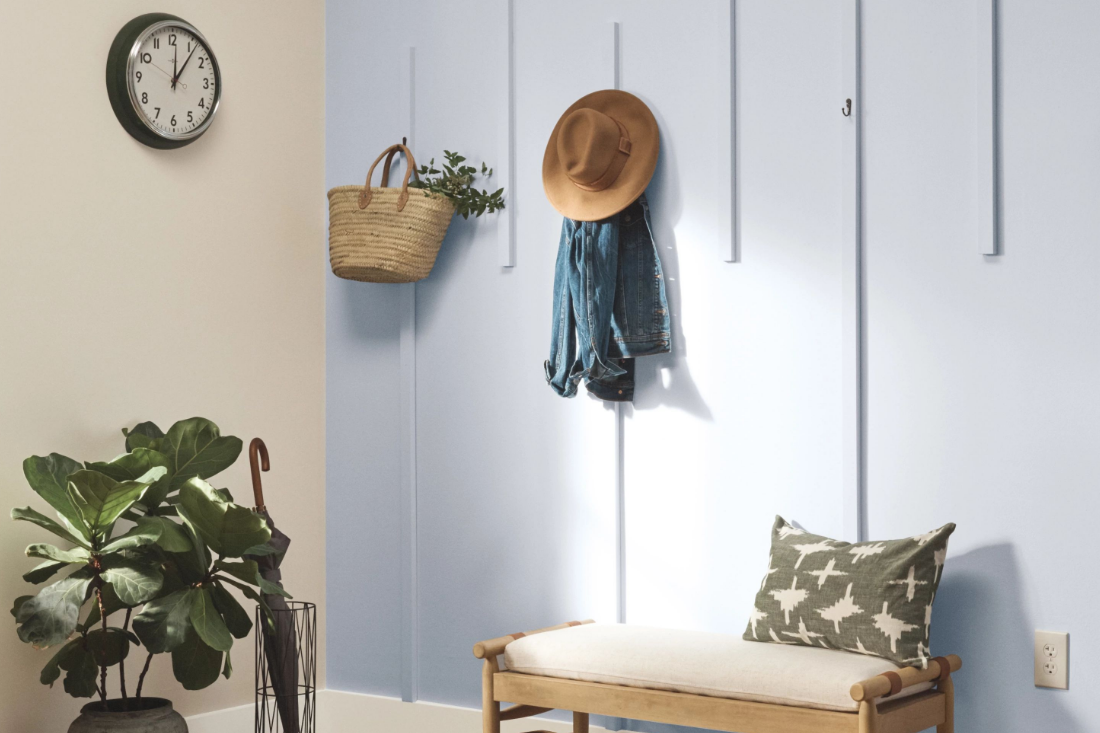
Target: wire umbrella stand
{"points": [[299, 618]]}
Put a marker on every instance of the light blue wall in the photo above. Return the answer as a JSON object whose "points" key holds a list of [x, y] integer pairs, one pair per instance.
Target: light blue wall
{"points": [[362, 327], [516, 488], [982, 394]]}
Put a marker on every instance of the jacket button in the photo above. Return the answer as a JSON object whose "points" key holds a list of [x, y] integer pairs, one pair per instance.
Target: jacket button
{"points": [[620, 391]]}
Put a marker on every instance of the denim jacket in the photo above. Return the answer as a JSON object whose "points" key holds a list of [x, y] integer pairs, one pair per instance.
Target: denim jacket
{"points": [[609, 304]]}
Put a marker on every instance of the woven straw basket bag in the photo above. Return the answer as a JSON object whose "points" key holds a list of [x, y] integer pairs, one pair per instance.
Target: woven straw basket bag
{"points": [[386, 235]]}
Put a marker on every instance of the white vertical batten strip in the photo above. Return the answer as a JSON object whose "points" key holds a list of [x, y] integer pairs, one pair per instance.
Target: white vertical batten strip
{"points": [[854, 354], [613, 62], [734, 253], [505, 169], [988, 138], [410, 637], [614, 65]]}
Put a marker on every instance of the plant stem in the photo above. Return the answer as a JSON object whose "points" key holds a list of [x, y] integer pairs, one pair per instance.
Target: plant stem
{"points": [[122, 662], [103, 619], [141, 679]]}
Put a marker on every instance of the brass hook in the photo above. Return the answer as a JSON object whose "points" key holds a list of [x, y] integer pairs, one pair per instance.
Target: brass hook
{"points": [[846, 110], [257, 453]]}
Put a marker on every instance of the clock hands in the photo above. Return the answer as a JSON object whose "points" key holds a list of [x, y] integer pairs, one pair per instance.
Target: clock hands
{"points": [[175, 59], [166, 74], [176, 78]]}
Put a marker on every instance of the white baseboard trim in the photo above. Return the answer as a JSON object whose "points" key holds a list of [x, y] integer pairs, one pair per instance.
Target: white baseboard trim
{"points": [[352, 712], [229, 720]]}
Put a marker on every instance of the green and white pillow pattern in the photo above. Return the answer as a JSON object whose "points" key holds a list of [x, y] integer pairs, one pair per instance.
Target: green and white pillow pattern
{"points": [[869, 597]]}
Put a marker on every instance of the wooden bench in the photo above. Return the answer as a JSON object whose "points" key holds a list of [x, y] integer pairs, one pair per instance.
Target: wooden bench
{"points": [[884, 703]]}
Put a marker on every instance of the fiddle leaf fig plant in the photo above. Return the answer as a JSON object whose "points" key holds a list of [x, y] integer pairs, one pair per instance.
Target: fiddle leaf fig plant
{"points": [[145, 539]]}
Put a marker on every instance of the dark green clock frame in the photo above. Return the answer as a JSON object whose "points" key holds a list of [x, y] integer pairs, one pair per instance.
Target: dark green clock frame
{"points": [[117, 81]]}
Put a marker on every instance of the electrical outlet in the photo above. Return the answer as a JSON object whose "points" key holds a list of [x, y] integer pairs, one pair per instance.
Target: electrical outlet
{"points": [[1052, 659]]}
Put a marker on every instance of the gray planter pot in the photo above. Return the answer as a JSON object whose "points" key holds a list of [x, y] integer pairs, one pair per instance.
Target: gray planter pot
{"points": [[147, 715]]}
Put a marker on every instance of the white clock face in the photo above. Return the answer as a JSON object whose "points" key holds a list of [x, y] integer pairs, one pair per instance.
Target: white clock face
{"points": [[173, 80]]}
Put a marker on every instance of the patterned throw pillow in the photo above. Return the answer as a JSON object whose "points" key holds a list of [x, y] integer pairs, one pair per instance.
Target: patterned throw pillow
{"points": [[870, 597]]}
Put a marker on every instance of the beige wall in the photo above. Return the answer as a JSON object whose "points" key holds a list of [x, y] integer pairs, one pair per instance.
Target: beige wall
{"points": [[140, 284]]}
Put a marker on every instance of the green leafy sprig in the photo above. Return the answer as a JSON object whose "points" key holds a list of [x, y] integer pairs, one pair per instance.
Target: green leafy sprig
{"points": [[455, 182]]}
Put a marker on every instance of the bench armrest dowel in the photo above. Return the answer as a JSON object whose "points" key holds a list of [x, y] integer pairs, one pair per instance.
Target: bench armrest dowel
{"points": [[494, 647], [880, 685]]}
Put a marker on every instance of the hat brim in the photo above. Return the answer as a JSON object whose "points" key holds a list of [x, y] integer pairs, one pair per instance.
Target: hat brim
{"points": [[576, 203]]}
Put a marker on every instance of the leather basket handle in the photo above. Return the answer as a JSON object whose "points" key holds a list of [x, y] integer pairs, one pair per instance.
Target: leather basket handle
{"points": [[365, 195]]}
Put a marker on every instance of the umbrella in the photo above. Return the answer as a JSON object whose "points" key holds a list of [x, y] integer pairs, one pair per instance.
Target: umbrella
{"points": [[280, 642]]}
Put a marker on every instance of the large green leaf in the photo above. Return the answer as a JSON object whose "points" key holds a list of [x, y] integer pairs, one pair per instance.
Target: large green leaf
{"points": [[26, 514], [80, 678], [196, 448], [162, 625], [75, 556], [228, 529], [236, 618], [135, 465], [260, 550], [100, 499], [143, 435], [19, 604], [246, 570], [195, 664], [52, 670], [251, 594], [51, 616], [131, 466], [49, 477], [194, 564], [134, 582], [45, 571], [109, 647], [272, 589], [208, 623], [171, 537], [227, 669], [145, 532]]}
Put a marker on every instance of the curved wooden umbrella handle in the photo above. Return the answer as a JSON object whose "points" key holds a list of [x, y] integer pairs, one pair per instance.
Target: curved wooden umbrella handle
{"points": [[257, 452]]}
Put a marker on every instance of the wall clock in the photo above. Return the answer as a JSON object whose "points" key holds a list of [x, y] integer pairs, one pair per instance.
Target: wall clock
{"points": [[163, 81]]}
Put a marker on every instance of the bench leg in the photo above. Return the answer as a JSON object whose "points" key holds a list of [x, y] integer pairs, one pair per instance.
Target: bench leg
{"points": [[868, 717], [490, 708], [580, 722], [948, 689]]}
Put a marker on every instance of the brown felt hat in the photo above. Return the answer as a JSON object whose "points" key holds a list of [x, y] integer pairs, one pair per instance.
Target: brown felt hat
{"points": [[601, 155]]}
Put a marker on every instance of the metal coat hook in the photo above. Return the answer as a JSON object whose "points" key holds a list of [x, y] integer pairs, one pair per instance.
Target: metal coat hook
{"points": [[846, 110]]}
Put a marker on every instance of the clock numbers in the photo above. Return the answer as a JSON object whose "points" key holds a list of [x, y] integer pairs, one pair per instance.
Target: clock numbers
{"points": [[181, 91]]}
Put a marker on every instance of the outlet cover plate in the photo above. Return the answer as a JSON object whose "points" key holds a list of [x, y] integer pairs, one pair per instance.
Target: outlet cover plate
{"points": [[1052, 659]]}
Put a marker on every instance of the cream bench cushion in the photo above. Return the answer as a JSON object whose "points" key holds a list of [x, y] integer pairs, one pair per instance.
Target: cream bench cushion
{"points": [[699, 662]]}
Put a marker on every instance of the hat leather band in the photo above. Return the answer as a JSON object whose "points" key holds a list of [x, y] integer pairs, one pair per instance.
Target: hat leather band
{"points": [[615, 167]]}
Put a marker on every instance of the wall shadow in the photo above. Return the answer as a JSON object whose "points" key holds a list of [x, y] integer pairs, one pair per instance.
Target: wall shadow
{"points": [[370, 312], [979, 614], [666, 379]]}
